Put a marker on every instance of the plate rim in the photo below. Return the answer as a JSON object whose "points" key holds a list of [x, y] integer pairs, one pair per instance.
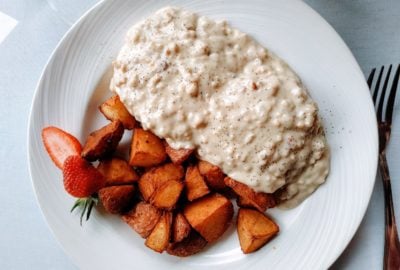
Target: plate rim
{"points": [[98, 5], [339, 251], [30, 122]]}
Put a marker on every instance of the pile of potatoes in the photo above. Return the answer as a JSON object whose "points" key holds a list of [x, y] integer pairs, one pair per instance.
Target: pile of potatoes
{"points": [[177, 202]]}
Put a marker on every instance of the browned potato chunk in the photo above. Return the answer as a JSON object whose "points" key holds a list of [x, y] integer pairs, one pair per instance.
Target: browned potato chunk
{"points": [[158, 239], [117, 199], [191, 245], [178, 156], [258, 200], [167, 194], [142, 218], [117, 171], [113, 109], [213, 174], [210, 215], [196, 187], [102, 142], [156, 177], [180, 228], [255, 229], [146, 149]]}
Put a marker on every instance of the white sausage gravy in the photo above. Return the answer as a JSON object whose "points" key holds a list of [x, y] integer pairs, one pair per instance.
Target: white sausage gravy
{"points": [[202, 84]]}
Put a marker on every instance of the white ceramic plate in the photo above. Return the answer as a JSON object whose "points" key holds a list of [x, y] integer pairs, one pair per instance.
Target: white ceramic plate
{"points": [[312, 236]]}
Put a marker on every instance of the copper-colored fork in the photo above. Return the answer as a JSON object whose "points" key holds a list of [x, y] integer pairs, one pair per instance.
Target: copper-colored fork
{"points": [[391, 260]]}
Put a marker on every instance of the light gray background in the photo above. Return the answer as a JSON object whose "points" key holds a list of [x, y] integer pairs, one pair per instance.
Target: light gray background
{"points": [[371, 28]]}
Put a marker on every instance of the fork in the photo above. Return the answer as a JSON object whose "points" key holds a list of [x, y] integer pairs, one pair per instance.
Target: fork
{"points": [[391, 260]]}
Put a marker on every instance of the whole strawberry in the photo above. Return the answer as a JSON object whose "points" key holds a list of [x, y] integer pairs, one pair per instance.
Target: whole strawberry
{"points": [[82, 181]]}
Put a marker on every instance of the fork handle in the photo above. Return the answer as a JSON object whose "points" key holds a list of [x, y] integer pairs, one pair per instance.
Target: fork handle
{"points": [[391, 259]]}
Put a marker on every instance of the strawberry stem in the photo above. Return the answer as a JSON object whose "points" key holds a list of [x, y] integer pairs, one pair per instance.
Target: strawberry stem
{"points": [[86, 205], [76, 204], [93, 202], [83, 211]]}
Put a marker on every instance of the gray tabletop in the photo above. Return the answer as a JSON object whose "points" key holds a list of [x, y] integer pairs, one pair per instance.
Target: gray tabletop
{"points": [[29, 31]]}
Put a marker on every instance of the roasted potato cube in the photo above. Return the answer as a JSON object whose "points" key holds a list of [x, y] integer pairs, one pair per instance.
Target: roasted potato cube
{"points": [[156, 177], [117, 171], [255, 229], [178, 156], [142, 218], [113, 109], [180, 228], [210, 215], [158, 239], [146, 149], [258, 200], [117, 199], [196, 187], [102, 142], [167, 195], [191, 245], [213, 175]]}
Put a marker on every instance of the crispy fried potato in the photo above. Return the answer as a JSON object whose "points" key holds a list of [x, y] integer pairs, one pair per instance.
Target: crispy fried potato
{"points": [[213, 175], [180, 228], [158, 239], [156, 177], [142, 218], [113, 109], [210, 215], [117, 171], [196, 187], [255, 229], [258, 200], [167, 194], [191, 245], [102, 142], [117, 199], [146, 149], [178, 156]]}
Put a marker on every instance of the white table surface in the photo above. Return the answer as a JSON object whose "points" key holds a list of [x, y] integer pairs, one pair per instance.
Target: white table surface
{"points": [[371, 28]]}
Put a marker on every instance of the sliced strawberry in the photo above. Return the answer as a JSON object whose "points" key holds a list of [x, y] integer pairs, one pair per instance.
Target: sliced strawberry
{"points": [[81, 179], [60, 145]]}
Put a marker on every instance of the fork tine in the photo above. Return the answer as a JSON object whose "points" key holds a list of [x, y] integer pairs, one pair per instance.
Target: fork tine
{"points": [[392, 96], [378, 82], [383, 94], [371, 78]]}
